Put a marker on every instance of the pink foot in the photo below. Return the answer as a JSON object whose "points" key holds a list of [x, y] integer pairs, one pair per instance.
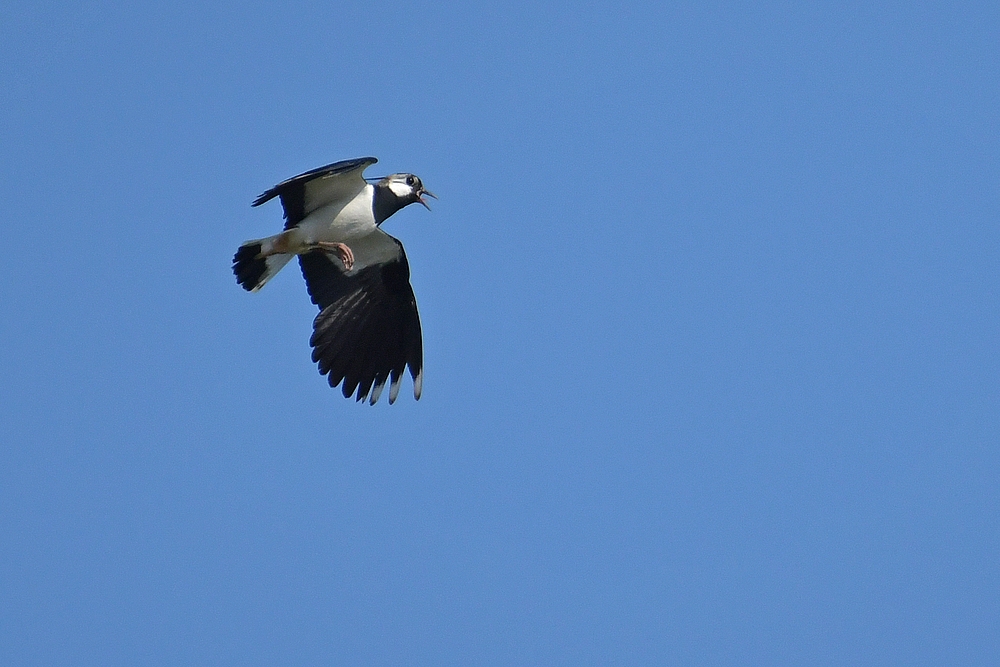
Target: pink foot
{"points": [[342, 250]]}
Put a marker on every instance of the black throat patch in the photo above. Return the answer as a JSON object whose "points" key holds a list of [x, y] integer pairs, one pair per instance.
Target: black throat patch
{"points": [[385, 202]]}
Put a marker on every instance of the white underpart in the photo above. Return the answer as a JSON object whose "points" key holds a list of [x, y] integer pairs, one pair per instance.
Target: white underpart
{"points": [[374, 247], [340, 222]]}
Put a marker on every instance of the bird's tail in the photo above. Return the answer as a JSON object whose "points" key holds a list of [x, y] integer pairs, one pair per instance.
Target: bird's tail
{"points": [[251, 269]]}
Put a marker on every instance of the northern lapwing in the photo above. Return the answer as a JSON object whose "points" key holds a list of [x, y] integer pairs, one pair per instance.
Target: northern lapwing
{"points": [[368, 330]]}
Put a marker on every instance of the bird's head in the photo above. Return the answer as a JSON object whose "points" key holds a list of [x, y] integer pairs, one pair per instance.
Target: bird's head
{"points": [[408, 189]]}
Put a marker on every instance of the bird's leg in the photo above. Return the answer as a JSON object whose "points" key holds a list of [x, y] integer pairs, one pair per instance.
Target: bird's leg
{"points": [[342, 250], [279, 244], [287, 243]]}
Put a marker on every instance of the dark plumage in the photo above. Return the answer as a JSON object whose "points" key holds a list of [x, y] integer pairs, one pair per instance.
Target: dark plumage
{"points": [[248, 266], [368, 328]]}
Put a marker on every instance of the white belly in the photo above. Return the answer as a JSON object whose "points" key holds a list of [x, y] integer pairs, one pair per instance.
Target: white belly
{"points": [[341, 223]]}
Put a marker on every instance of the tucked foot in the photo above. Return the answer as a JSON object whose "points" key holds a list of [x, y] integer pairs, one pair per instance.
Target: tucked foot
{"points": [[342, 250]]}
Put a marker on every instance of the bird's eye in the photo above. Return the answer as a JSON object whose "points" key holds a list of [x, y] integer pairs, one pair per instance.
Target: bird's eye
{"points": [[409, 180]]}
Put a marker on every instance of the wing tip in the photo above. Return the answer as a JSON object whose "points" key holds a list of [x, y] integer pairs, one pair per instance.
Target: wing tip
{"points": [[394, 387], [377, 391], [418, 384], [263, 197], [361, 394]]}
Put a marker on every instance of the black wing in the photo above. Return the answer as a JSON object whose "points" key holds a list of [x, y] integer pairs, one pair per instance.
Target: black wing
{"points": [[368, 328], [303, 194]]}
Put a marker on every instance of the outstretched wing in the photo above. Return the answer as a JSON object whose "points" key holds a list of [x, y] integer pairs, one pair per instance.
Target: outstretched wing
{"points": [[303, 194], [368, 328]]}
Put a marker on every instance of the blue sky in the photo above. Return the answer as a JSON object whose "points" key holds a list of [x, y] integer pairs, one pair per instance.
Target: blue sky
{"points": [[710, 321]]}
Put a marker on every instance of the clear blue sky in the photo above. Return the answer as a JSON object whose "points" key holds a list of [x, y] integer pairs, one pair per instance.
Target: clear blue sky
{"points": [[710, 320]]}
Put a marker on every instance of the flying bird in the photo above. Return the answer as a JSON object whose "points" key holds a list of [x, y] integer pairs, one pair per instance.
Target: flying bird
{"points": [[368, 330]]}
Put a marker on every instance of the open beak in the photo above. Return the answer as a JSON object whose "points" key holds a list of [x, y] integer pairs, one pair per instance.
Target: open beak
{"points": [[420, 197]]}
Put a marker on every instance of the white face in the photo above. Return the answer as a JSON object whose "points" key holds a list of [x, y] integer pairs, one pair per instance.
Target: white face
{"points": [[404, 185]]}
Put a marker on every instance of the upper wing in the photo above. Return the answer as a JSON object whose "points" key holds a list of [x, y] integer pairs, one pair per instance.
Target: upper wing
{"points": [[368, 328], [303, 194]]}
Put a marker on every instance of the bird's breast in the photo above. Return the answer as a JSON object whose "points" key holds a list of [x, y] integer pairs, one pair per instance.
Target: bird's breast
{"points": [[340, 222]]}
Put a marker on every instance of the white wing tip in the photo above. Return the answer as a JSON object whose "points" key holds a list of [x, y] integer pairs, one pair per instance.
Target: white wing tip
{"points": [[418, 384], [394, 389], [376, 392], [396, 382]]}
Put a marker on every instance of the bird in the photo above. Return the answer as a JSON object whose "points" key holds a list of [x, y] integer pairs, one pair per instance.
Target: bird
{"points": [[367, 331]]}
